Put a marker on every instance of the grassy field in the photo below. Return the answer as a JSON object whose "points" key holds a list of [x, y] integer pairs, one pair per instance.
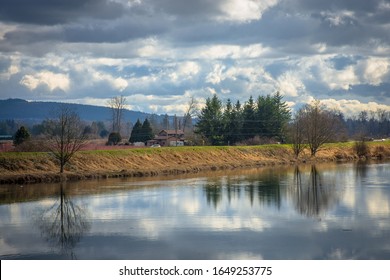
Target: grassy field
{"points": [[41, 167]]}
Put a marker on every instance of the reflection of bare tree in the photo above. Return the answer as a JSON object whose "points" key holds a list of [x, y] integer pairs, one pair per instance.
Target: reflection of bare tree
{"points": [[361, 170], [64, 223], [313, 195]]}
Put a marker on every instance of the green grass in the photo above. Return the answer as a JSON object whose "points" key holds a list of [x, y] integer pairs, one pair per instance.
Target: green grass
{"points": [[23, 155], [185, 149]]}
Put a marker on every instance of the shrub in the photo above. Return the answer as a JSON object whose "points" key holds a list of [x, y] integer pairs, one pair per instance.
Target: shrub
{"points": [[361, 148], [114, 138]]}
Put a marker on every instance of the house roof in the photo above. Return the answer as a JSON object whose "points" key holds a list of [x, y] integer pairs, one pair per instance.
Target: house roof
{"points": [[172, 131]]}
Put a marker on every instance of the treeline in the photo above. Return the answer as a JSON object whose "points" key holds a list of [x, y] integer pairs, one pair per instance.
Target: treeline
{"points": [[268, 119], [93, 129], [370, 124], [263, 119]]}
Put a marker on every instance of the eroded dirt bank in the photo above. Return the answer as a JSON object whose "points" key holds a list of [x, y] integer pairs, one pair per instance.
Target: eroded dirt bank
{"points": [[23, 168]]}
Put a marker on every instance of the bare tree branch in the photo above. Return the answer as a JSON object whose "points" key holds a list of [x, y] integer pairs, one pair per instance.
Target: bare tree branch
{"points": [[65, 135]]}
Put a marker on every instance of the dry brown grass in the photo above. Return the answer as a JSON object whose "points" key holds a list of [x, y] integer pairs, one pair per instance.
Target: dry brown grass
{"points": [[38, 167]]}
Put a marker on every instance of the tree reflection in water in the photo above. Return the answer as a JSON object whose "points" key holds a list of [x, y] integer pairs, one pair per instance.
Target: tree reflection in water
{"points": [[361, 170], [64, 223], [313, 194], [263, 187], [213, 192]]}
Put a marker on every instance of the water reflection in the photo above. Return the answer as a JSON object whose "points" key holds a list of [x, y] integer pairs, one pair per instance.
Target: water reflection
{"points": [[361, 170], [313, 195], [263, 187], [305, 212], [63, 223]]}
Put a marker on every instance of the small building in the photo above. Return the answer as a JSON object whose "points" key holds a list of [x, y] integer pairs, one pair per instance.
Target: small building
{"points": [[167, 137]]}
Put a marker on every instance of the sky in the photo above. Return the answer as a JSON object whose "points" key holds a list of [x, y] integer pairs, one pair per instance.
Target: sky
{"points": [[160, 53]]}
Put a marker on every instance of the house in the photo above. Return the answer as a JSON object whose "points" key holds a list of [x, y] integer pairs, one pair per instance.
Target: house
{"points": [[167, 137]]}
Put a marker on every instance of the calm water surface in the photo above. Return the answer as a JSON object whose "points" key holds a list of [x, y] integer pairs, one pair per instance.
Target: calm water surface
{"points": [[308, 212]]}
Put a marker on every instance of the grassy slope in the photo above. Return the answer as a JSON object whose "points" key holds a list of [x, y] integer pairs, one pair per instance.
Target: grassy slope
{"points": [[35, 167]]}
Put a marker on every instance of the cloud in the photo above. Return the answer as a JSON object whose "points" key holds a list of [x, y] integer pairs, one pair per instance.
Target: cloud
{"points": [[50, 80], [353, 107], [48, 12], [244, 10], [11, 67], [339, 18], [374, 70], [163, 49], [290, 85], [214, 10]]}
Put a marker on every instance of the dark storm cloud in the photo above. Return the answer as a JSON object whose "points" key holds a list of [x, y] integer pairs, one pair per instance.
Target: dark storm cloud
{"points": [[343, 22], [182, 8], [29, 35], [194, 22], [48, 12], [125, 29], [306, 48]]}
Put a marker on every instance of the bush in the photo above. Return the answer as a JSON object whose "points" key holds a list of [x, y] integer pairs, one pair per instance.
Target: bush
{"points": [[32, 145], [361, 148], [21, 135], [114, 138]]}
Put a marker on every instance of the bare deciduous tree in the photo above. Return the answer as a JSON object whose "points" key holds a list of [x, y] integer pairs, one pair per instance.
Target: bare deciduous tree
{"points": [[65, 135], [297, 134], [191, 111], [117, 105], [319, 125]]}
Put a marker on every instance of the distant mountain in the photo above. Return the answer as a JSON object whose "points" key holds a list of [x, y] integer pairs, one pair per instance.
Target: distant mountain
{"points": [[33, 112]]}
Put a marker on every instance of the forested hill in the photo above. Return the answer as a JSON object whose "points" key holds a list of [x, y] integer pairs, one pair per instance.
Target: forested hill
{"points": [[22, 110]]}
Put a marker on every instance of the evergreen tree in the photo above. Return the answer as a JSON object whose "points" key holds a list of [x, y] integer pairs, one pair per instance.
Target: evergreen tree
{"points": [[21, 135], [282, 116], [146, 131], [228, 128], [265, 116], [210, 124], [232, 122], [237, 117], [272, 116], [249, 126], [136, 133]]}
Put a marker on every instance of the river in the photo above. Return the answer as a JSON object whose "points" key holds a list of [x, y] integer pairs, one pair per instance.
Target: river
{"points": [[328, 211]]}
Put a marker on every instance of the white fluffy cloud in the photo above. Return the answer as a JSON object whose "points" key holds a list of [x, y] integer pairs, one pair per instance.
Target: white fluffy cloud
{"points": [[13, 68], [231, 51], [353, 107], [374, 70], [290, 85], [49, 79], [244, 10]]}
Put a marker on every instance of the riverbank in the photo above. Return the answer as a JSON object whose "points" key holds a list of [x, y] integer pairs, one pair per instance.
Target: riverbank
{"points": [[24, 168]]}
